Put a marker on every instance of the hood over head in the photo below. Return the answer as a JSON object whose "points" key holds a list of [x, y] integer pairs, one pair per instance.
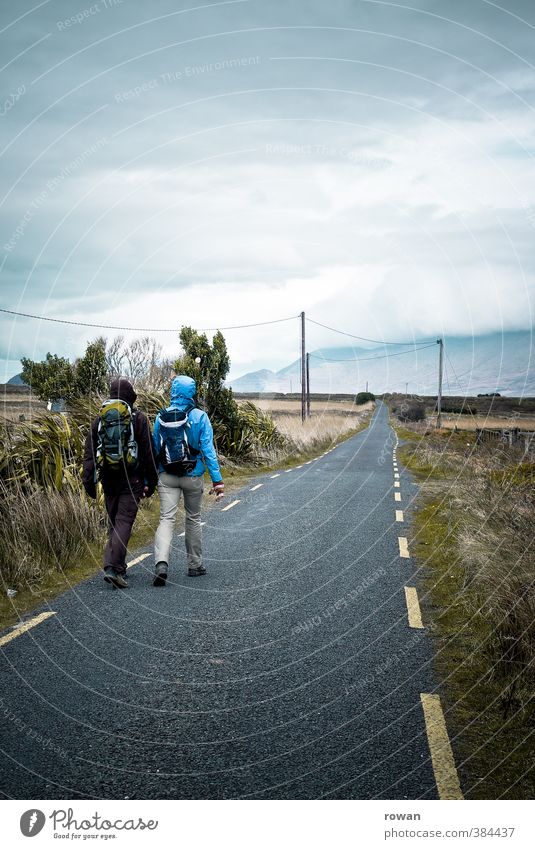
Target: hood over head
{"points": [[121, 388], [183, 389]]}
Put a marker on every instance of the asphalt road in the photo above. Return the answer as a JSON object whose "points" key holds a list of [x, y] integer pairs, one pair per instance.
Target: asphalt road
{"points": [[289, 671]]}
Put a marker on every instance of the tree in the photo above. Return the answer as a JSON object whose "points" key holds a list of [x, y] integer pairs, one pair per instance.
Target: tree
{"points": [[90, 371], [140, 361], [51, 379], [55, 377], [208, 365], [364, 397]]}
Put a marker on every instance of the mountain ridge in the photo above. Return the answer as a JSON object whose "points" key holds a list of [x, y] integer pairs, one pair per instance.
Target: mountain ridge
{"points": [[494, 362]]}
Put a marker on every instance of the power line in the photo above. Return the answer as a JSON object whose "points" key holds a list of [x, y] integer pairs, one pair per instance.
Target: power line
{"points": [[367, 359], [363, 338], [142, 329], [454, 373]]}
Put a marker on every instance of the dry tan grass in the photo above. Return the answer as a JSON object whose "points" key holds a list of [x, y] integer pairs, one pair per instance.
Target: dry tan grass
{"points": [[12, 407], [493, 422], [276, 406], [317, 429], [305, 439]]}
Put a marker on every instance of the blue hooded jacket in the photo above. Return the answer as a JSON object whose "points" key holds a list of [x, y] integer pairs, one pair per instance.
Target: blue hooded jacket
{"points": [[199, 429]]}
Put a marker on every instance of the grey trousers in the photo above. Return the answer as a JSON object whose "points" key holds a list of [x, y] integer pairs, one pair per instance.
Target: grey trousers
{"points": [[169, 489]]}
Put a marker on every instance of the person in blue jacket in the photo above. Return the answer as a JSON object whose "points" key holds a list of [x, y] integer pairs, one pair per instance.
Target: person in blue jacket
{"points": [[183, 442]]}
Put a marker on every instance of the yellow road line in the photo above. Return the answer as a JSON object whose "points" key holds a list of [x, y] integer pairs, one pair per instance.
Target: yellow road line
{"points": [[399, 516], [232, 504], [138, 559], [397, 496], [256, 487], [21, 629], [446, 776], [403, 547], [413, 608]]}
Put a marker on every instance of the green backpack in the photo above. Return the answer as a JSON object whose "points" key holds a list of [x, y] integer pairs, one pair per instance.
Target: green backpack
{"points": [[116, 444]]}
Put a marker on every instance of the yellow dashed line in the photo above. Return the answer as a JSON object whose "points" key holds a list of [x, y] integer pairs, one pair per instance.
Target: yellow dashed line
{"points": [[397, 496], [232, 504], [21, 629], [446, 776], [413, 608], [253, 488], [403, 547], [399, 516]]}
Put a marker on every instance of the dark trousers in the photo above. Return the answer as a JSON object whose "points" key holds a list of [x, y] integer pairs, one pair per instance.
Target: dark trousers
{"points": [[121, 506]]}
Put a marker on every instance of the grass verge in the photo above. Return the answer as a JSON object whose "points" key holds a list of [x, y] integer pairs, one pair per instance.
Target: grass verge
{"points": [[472, 537]]}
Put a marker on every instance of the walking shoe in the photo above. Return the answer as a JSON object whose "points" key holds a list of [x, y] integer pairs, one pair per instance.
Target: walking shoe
{"points": [[115, 578], [196, 572], [160, 574]]}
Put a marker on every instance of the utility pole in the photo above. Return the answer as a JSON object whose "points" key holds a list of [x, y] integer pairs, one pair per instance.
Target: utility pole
{"points": [[308, 385], [406, 388], [303, 369], [366, 387], [440, 343]]}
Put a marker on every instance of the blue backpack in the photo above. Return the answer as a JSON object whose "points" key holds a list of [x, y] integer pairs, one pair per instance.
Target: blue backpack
{"points": [[176, 455]]}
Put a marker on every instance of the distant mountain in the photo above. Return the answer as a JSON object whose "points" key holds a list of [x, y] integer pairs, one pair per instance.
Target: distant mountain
{"points": [[16, 380], [494, 362], [254, 381]]}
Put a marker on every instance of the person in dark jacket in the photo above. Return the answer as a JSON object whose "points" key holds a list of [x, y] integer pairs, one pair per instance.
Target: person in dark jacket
{"points": [[123, 488]]}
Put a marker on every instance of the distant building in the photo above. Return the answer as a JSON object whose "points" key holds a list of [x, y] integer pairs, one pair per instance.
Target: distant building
{"points": [[58, 406]]}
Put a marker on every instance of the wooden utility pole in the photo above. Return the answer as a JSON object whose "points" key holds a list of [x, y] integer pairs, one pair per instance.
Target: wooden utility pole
{"points": [[308, 385], [303, 369], [440, 343]]}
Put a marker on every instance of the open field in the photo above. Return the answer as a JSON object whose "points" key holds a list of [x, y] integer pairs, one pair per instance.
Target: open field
{"points": [[17, 401], [291, 406], [464, 422]]}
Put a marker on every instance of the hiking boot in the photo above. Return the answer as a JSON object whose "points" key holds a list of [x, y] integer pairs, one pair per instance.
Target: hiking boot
{"points": [[196, 572], [160, 574], [116, 579]]}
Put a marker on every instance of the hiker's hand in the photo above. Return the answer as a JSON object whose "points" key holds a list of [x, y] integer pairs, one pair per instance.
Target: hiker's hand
{"points": [[146, 492], [219, 490]]}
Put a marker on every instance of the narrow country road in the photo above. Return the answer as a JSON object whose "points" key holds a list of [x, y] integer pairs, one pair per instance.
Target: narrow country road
{"points": [[290, 671]]}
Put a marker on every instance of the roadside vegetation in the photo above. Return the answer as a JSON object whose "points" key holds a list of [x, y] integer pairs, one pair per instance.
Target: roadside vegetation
{"points": [[472, 536], [52, 534]]}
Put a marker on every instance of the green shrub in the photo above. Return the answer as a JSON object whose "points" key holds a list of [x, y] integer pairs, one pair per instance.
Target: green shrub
{"points": [[364, 397], [411, 411]]}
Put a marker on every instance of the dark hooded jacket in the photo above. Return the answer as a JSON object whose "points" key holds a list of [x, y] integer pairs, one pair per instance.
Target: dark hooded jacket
{"points": [[146, 473]]}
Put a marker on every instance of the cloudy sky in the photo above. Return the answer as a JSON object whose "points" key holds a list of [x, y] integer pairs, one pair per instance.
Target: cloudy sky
{"points": [[226, 163]]}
